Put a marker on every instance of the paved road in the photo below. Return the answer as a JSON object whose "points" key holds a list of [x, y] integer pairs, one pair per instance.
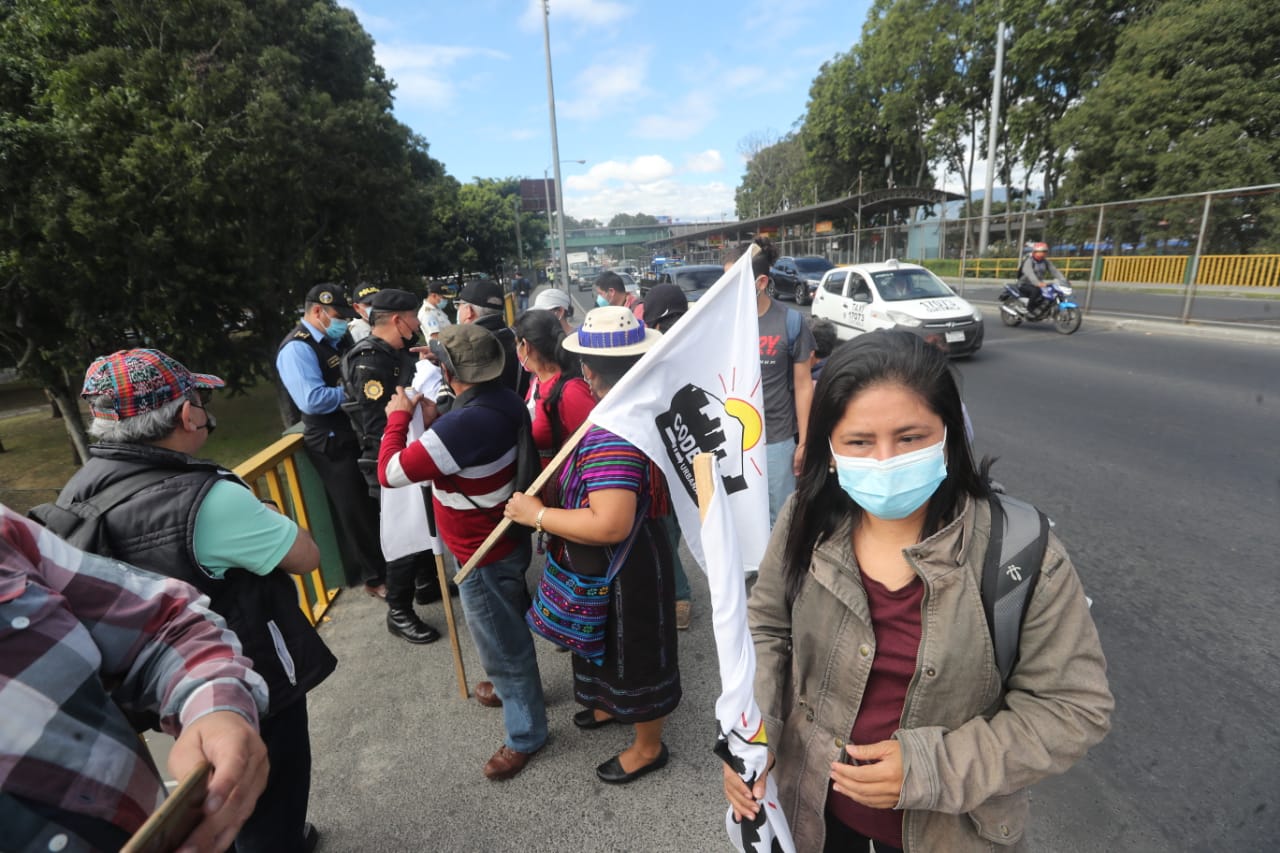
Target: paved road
{"points": [[1255, 307], [1155, 455]]}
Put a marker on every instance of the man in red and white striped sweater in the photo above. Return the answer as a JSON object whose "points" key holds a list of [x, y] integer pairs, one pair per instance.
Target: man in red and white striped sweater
{"points": [[469, 455]]}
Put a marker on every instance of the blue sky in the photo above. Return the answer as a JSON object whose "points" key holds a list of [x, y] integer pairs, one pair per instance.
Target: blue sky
{"points": [[657, 96]]}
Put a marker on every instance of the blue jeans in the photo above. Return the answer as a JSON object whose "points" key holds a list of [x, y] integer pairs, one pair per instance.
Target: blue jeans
{"points": [[494, 599], [782, 480]]}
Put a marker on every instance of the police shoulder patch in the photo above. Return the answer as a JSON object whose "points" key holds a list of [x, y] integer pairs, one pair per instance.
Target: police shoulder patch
{"points": [[373, 390]]}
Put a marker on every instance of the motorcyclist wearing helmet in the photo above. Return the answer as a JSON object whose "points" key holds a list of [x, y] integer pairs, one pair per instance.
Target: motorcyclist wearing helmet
{"points": [[1036, 272]]}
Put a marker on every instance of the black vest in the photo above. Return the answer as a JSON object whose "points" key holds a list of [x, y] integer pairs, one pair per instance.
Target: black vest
{"points": [[155, 530], [513, 376], [330, 361]]}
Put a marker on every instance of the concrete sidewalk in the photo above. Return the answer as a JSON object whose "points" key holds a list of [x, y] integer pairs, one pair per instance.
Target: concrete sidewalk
{"points": [[398, 754]]}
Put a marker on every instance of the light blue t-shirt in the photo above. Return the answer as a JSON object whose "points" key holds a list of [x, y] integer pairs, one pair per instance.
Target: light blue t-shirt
{"points": [[234, 529]]}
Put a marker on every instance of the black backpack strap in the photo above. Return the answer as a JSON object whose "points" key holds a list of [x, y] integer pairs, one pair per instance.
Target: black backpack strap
{"points": [[79, 523], [117, 493], [1010, 569]]}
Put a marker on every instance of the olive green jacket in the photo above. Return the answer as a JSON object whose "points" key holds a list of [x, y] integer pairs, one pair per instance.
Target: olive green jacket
{"points": [[969, 749]]}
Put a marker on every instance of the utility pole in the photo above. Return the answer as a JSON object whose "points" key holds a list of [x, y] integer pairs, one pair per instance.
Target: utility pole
{"points": [[993, 122], [515, 202], [555, 142], [551, 229]]}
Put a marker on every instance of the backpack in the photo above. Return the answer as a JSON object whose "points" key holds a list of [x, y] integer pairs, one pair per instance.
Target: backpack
{"points": [[81, 523], [1010, 569], [794, 321]]}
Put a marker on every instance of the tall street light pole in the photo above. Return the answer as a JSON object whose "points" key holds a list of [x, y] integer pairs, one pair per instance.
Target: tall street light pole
{"points": [[551, 229], [994, 122], [555, 142], [546, 188], [515, 202]]}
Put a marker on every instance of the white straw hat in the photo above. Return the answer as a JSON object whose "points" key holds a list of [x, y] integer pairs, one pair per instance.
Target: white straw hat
{"points": [[611, 331]]}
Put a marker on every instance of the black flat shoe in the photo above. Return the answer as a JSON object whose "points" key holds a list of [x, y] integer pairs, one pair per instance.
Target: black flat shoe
{"points": [[310, 837], [611, 771], [586, 719]]}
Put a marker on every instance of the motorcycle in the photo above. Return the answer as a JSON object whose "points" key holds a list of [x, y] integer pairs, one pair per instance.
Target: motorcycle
{"points": [[1055, 303]]}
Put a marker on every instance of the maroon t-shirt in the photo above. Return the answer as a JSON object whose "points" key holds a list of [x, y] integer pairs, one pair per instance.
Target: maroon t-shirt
{"points": [[895, 619]]}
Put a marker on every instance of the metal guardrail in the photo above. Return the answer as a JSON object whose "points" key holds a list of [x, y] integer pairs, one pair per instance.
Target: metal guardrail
{"points": [[276, 469], [1240, 270], [1008, 267], [1214, 270], [1169, 269]]}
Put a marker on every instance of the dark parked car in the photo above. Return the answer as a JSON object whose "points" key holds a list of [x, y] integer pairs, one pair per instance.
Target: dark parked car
{"points": [[797, 278], [694, 279]]}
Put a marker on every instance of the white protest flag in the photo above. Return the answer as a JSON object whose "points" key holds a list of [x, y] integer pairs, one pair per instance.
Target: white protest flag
{"points": [[406, 523], [743, 743], [698, 391]]}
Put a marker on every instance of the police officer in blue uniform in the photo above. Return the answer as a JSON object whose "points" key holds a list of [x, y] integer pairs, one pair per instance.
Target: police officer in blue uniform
{"points": [[309, 362]]}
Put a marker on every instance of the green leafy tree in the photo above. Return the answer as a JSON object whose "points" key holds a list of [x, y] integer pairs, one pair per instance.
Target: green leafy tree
{"points": [[841, 133], [1055, 56], [777, 177], [1189, 104], [179, 174], [483, 226], [627, 220]]}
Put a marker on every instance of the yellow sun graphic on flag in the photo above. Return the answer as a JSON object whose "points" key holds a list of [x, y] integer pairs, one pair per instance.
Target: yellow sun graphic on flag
{"points": [[747, 415]]}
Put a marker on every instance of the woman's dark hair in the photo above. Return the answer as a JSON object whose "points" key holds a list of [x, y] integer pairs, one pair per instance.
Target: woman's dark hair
{"points": [[610, 368], [541, 330], [876, 358]]}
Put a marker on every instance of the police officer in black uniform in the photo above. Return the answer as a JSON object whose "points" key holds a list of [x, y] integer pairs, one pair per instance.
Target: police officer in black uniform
{"points": [[372, 370], [309, 361]]}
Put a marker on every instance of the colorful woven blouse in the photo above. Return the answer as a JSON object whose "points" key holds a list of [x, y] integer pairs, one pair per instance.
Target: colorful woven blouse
{"points": [[604, 461]]}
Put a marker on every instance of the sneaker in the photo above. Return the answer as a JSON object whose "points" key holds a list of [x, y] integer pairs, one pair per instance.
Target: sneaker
{"points": [[684, 614]]}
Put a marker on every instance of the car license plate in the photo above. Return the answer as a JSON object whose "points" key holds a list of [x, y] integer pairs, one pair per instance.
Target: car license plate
{"points": [[955, 337]]}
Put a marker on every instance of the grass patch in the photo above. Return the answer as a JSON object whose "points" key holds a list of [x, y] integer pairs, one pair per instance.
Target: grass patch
{"points": [[38, 458]]}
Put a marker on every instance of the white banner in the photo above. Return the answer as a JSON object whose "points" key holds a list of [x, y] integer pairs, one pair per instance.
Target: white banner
{"points": [[743, 742], [404, 522], [697, 391]]}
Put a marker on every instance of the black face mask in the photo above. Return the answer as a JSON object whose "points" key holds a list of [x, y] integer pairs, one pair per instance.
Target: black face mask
{"points": [[210, 422]]}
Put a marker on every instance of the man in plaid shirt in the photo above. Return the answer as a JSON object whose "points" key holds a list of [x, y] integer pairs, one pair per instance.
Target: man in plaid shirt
{"points": [[73, 774]]}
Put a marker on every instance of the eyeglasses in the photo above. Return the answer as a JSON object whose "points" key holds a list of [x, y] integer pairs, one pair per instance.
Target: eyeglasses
{"points": [[204, 395]]}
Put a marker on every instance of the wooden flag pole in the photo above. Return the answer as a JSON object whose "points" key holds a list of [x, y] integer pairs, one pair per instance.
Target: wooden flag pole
{"points": [[706, 487], [534, 488], [458, 669]]}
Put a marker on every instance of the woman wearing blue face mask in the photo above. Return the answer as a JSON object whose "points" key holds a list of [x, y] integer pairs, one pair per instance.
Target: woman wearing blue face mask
{"points": [[887, 716]]}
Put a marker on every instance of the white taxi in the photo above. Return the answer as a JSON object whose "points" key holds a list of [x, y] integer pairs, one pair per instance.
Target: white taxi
{"points": [[894, 295]]}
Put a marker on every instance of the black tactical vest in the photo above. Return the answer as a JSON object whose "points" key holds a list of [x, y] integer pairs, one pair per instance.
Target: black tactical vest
{"points": [[330, 361]]}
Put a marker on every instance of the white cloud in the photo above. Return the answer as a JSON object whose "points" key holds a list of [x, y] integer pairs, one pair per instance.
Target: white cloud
{"points": [[666, 197], [368, 20], [747, 77], [643, 169], [606, 87], [423, 72], [687, 118], [705, 161], [582, 12]]}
